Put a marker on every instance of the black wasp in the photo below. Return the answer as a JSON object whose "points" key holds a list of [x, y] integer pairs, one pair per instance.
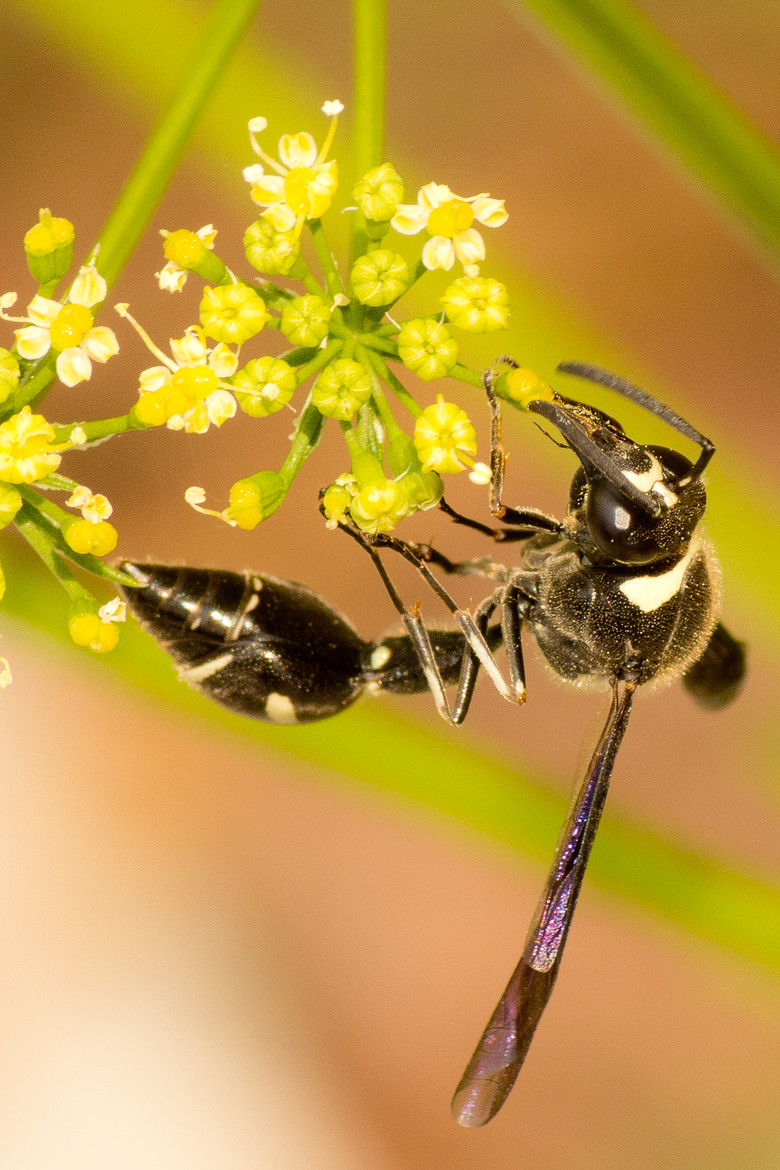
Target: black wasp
{"points": [[624, 589]]}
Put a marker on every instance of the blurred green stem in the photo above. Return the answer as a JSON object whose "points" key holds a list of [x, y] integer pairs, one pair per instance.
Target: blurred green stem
{"points": [[223, 33], [677, 103], [368, 141]]}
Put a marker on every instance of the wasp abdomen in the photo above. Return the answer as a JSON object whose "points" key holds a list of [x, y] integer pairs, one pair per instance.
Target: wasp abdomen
{"points": [[262, 647]]}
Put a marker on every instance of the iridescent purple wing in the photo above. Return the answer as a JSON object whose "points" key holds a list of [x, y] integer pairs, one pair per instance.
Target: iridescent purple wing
{"points": [[500, 1053]]}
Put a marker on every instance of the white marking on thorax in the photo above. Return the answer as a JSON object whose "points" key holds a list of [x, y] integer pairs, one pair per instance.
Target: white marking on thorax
{"points": [[380, 657], [650, 593], [280, 709], [198, 674]]}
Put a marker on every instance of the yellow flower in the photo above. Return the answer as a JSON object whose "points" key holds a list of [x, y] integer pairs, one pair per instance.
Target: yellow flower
{"points": [[67, 329], [448, 219], [341, 389], [27, 452], [183, 248], [265, 385], [189, 392], [444, 438], [303, 183]]}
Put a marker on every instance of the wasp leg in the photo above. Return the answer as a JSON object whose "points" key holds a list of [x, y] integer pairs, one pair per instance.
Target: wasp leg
{"points": [[716, 679], [415, 627], [526, 521]]}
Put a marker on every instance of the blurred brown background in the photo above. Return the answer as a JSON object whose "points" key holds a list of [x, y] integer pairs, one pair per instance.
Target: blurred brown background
{"points": [[212, 961]]}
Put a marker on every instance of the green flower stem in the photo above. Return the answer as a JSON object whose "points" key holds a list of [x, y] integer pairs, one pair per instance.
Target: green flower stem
{"points": [[464, 374], [50, 520], [307, 436], [99, 429], [53, 513], [41, 538], [370, 40], [366, 431], [57, 483], [318, 362], [33, 387], [333, 281], [222, 34], [389, 378]]}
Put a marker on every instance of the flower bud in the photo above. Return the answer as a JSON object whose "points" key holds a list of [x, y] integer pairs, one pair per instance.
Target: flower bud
{"points": [[522, 386], [49, 247], [305, 320], [255, 498], [341, 389], [379, 192], [427, 347], [477, 304], [10, 503], [269, 250], [263, 386], [379, 507], [232, 313], [379, 277], [9, 374]]}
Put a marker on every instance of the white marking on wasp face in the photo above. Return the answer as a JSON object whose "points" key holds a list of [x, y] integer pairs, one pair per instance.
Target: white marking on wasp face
{"points": [[257, 584], [380, 657], [650, 593], [204, 670], [280, 709], [651, 481]]}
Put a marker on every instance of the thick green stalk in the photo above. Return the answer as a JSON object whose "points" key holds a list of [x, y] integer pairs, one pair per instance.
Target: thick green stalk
{"points": [[224, 31], [676, 102]]}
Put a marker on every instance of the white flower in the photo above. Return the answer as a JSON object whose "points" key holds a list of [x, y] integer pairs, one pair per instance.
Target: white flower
{"points": [[67, 328], [448, 219], [302, 184]]}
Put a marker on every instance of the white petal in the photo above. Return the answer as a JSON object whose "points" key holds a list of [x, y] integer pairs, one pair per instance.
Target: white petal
{"points": [[221, 406], [73, 366], [469, 246], [490, 212], [268, 189], [32, 342], [113, 611], [438, 253], [153, 379], [223, 360], [171, 278], [42, 311], [297, 150], [409, 219], [89, 288], [101, 343], [433, 195], [188, 350], [281, 216]]}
